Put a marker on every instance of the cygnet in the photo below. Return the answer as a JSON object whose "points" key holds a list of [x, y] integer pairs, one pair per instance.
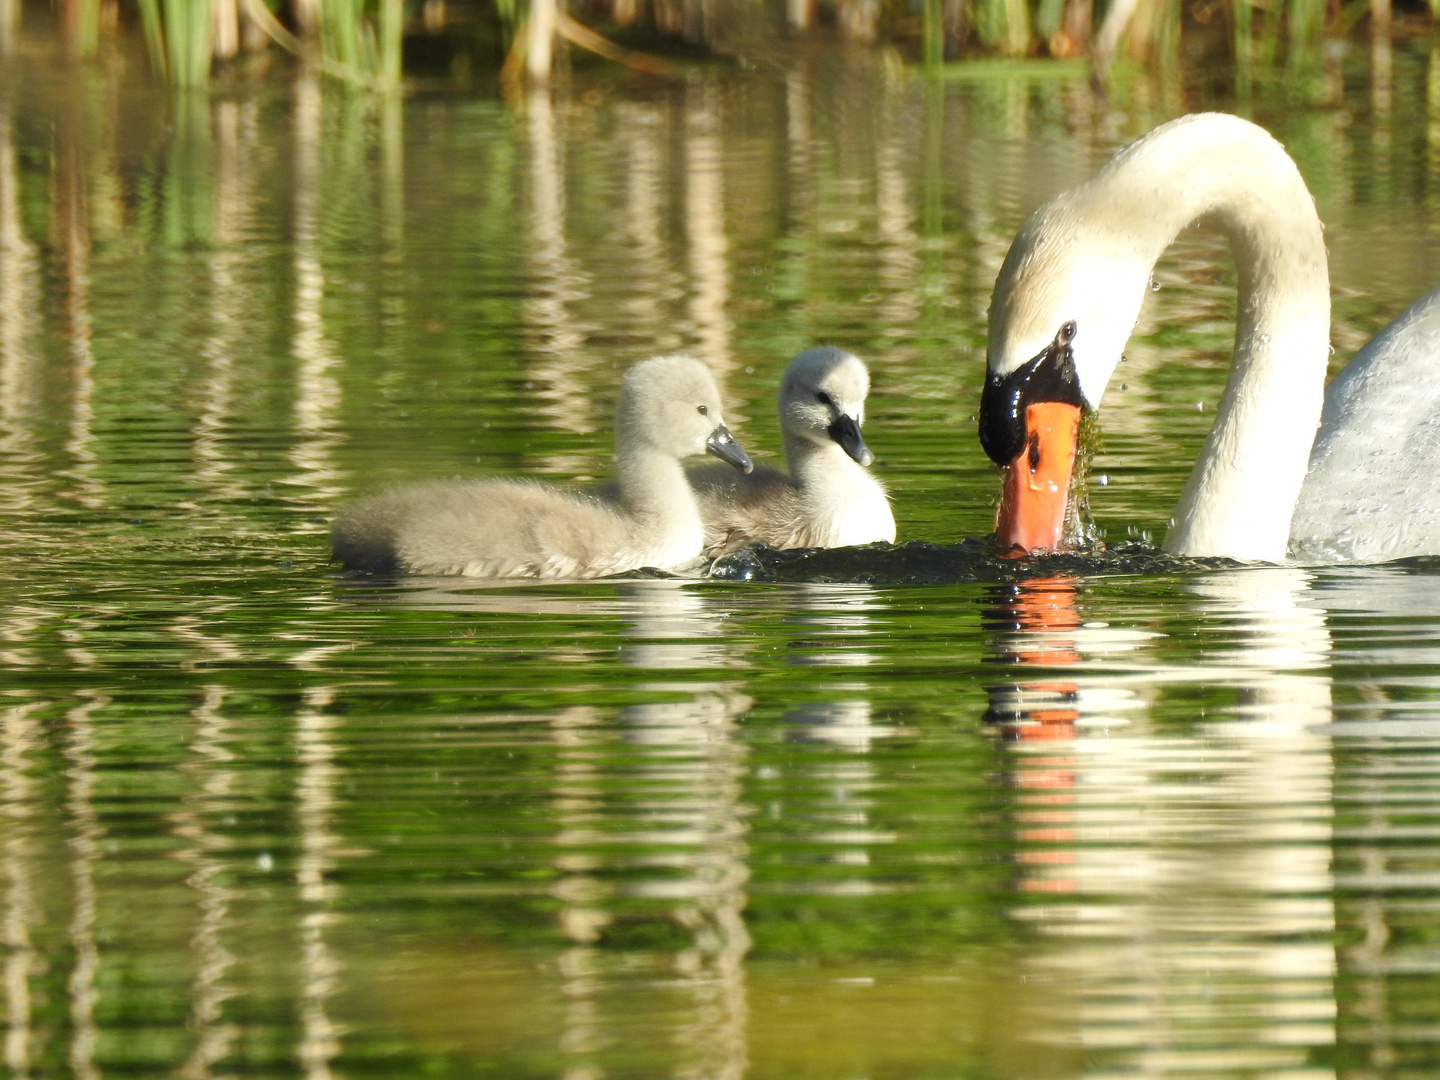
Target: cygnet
{"points": [[828, 498], [668, 409]]}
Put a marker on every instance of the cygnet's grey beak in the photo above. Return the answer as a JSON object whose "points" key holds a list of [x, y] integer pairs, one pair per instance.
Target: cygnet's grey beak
{"points": [[847, 433], [723, 445]]}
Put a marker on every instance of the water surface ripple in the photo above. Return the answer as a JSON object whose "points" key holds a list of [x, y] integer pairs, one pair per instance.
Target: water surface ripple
{"points": [[901, 812]]}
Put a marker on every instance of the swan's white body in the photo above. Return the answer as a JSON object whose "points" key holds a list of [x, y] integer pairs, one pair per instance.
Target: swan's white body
{"points": [[1373, 492], [669, 408], [827, 499]]}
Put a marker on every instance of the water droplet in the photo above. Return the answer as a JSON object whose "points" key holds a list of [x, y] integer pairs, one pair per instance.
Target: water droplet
{"points": [[1199, 406], [1154, 285], [1102, 480]]}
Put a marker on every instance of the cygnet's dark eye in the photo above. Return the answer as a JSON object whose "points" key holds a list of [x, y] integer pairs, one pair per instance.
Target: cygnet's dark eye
{"points": [[824, 399], [703, 410]]}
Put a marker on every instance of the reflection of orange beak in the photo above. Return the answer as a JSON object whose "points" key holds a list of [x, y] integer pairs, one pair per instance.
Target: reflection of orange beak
{"points": [[1036, 487]]}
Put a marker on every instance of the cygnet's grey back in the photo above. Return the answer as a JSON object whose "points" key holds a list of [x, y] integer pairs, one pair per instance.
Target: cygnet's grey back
{"points": [[668, 408], [828, 498]]}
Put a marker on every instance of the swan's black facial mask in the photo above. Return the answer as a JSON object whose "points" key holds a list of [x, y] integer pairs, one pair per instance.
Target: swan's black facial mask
{"points": [[1049, 377]]}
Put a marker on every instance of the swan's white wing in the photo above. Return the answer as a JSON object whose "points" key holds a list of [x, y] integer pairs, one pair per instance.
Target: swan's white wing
{"points": [[1372, 491]]}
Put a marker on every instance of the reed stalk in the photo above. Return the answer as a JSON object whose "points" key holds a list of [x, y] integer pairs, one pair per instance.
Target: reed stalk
{"points": [[225, 35], [1047, 18], [540, 40], [988, 19], [190, 25], [360, 46], [1016, 38], [1267, 48], [933, 34], [79, 27], [1167, 41], [9, 25], [1242, 14], [342, 34], [1077, 28], [391, 28], [1306, 20], [179, 38]]}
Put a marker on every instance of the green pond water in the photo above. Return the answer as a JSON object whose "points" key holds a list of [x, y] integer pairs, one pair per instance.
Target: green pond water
{"points": [[1123, 818]]}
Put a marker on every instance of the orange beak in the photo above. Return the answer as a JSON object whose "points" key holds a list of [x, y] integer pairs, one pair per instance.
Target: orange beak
{"points": [[1036, 486]]}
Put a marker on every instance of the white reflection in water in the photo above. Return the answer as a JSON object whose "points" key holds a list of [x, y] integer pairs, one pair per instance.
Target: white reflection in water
{"points": [[1382, 80], [315, 795], [846, 723], [792, 267], [214, 458], [85, 833], [900, 263], [20, 734], [391, 108], [843, 815], [1395, 614], [837, 624], [839, 617], [1384, 621], [16, 629], [564, 390], [705, 227], [204, 647], [19, 318], [1197, 863], [209, 789], [836, 621], [73, 224], [653, 279], [671, 832], [670, 626], [317, 390]]}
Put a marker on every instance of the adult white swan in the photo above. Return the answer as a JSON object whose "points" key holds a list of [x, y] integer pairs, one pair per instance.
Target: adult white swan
{"points": [[1067, 298]]}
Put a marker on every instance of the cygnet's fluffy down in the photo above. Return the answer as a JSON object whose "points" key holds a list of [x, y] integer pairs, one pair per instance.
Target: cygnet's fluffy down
{"points": [[668, 409], [828, 498]]}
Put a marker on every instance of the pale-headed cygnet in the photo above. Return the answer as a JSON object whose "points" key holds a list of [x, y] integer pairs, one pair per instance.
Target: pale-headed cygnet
{"points": [[828, 498], [668, 409]]}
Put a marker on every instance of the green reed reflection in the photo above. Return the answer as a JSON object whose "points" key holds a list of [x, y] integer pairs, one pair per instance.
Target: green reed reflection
{"points": [[259, 818]]}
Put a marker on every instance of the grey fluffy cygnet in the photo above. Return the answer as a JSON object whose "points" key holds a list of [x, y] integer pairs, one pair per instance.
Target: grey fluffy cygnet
{"points": [[668, 409], [828, 498]]}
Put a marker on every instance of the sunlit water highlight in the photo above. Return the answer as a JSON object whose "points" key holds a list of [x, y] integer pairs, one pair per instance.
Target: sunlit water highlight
{"points": [[905, 813]]}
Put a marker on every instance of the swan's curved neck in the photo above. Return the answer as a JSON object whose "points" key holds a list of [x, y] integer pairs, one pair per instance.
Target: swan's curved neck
{"points": [[1088, 255]]}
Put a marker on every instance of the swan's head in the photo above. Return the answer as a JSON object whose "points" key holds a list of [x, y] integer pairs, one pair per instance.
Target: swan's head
{"points": [[1064, 304], [822, 400], [1082, 258], [1029, 424], [671, 403]]}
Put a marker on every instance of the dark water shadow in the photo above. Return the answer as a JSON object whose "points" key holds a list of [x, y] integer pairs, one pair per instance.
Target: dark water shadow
{"points": [[920, 563]]}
